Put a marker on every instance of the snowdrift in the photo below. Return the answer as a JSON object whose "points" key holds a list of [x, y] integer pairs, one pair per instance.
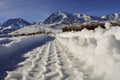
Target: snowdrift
{"points": [[99, 50]]}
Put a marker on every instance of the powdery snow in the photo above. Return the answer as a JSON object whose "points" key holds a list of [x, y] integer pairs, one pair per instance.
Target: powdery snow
{"points": [[99, 50]]}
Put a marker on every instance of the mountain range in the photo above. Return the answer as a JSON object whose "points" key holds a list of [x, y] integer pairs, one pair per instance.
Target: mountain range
{"points": [[63, 17], [56, 18]]}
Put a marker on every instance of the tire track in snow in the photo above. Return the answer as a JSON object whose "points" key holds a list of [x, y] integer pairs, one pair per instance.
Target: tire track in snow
{"points": [[42, 64], [49, 62], [32, 67], [76, 63], [67, 65], [36, 71], [53, 71]]}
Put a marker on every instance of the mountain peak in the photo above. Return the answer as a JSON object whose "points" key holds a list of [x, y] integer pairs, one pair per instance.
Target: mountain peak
{"points": [[13, 24], [15, 21], [64, 17], [115, 16], [56, 17], [60, 12]]}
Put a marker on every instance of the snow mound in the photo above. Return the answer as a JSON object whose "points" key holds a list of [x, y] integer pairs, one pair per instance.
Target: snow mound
{"points": [[108, 25], [99, 50]]}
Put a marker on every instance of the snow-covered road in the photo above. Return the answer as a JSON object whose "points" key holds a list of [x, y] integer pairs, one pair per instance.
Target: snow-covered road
{"points": [[49, 62], [13, 49], [85, 55]]}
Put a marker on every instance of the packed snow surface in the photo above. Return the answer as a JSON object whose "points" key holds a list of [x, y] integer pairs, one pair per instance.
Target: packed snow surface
{"points": [[13, 48], [85, 55]]}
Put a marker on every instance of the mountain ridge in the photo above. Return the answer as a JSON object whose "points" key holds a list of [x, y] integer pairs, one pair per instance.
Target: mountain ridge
{"points": [[64, 17], [58, 17]]}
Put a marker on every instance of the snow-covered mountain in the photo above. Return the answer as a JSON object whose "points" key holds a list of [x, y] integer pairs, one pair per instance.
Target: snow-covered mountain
{"points": [[13, 24], [63, 17], [56, 20], [111, 17], [88, 18]]}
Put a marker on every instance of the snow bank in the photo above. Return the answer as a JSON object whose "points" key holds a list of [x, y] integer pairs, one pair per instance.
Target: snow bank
{"points": [[99, 50], [108, 25]]}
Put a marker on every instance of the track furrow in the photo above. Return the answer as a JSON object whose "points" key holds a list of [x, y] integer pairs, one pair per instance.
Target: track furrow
{"points": [[49, 62], [53, 68], [67, 65]]}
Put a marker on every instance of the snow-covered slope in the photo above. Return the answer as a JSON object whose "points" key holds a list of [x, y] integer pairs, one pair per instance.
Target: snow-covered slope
{"points": [[63, 17], [88, 18], [35, 28], [13, 24], [110, 17], [28, 29]]}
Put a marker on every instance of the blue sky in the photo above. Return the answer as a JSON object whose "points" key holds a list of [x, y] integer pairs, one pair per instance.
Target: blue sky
{"points": [[39, 10]]}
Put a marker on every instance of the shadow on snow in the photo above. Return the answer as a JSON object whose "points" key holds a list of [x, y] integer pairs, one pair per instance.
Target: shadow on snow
{"points": [[9, 63]]}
